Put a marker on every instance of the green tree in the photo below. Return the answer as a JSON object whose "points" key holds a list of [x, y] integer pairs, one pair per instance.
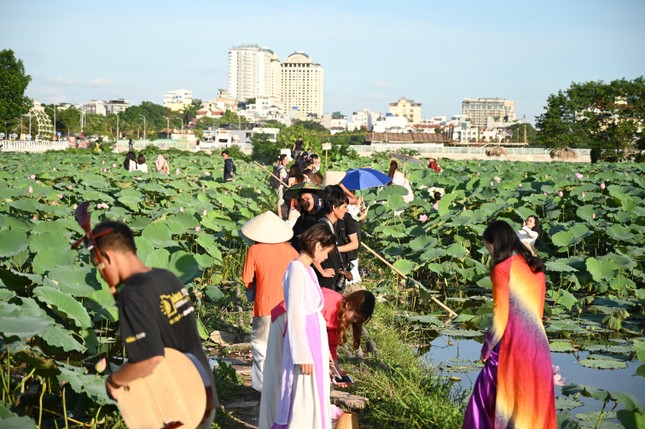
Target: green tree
{"points": [[608, 118], [190, 112], [13, 83], [520, 131], [264, 150]]}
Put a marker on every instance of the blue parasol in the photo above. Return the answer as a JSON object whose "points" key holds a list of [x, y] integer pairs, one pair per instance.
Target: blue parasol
{"points": [[363, 178]]}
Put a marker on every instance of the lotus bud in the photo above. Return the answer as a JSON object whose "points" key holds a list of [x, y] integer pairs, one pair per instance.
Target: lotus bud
{"points": [[492, 183], [177, 172], [593, 215], [579, 176], [207, 173], [423, 218], [205, 212], [181, 209], [497, 179], [33, 177], [582, 195], [560, 194], [100, 365], [519, 186], [113, 165], [602, 185], [31, 190], [198, 228], [69, 186], [61, 196]]}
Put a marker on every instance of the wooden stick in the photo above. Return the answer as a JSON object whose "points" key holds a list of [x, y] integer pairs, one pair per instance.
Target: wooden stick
{"points": [[441, 304], [271, 173]]}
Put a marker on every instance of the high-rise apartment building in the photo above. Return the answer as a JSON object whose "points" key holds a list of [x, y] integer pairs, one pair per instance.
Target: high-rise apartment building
{"points": [[479, 110], [407, 109], [302, 85], [253, 72]]}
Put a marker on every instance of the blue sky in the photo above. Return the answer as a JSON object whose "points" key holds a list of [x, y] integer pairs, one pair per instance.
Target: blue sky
{"points": [[373, 52]]}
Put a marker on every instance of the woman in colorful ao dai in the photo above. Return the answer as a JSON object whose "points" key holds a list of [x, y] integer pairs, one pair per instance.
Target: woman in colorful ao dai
{"points": [[304, 386], [515, 388]]}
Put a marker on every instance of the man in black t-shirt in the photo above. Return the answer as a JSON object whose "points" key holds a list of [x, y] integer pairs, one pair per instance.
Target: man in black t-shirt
{"points": [[155, 311], [330, 271]]}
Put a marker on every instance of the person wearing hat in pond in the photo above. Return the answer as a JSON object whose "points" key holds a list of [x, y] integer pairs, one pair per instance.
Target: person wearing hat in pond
{"points": [[264, 267]]}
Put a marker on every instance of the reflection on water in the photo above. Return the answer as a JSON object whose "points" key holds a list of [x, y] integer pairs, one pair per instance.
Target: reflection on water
{"points": [[445, 348]]}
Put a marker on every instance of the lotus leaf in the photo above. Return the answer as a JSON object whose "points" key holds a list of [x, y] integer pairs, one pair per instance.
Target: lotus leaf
{"points": [[15, 422], [461, 333], [453, 365], [181, 223], [424, 320], [63, 305], [612, 349], [603, 362], [159, 234], [602, 269], [158, 258], [597, 420], [12, 242], [184, 265], [58, 336], [560, 346], [567, 403], [559, 266], [18, 325], [74, 281], [631, 419], [421, 242], [565, 298], [405, 266], [91, 384], [211, 246]]}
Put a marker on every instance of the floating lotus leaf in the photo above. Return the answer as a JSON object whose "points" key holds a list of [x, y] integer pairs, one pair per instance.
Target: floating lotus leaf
{"points": [[597, 420], [560, 346], [639, 346], [64, 305], [603, 362], [461, 333], [612, 349], [424, 320], [567, 403], [459, 365]]}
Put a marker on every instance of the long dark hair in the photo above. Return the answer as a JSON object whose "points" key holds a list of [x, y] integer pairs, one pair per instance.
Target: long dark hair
{"points": [[505, 242], [318, 233], [393, 167], [536, 228], [362, 302]]}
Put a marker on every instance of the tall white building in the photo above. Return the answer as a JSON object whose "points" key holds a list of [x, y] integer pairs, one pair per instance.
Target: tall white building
{"points": [[302, 85], [253, 72], [479, 110]]}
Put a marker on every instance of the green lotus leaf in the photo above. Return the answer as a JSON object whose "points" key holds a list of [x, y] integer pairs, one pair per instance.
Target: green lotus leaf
{"points": [[158, 258], [211, 246], [48, 241], [485, 283], [64, 305], [567, 403], [158, 233], [620, 233], [130, 202], [640, 371], [93, 385], [612, 349], [457, 251], [49, 259], [205, 261], [58, 336], [565, 298], [453, 365], [217, 225], [144, 247], [26, 205], [602, 269], [12, 242], [21, 326], [461, 333], [421, 242], [559, 266], [181, 223], [603, 362], [75, 281], [184, 265], [214, 294], [564, 239], [639, 346], [15, 422], [424, 320], [405, 266], [561, 346], [631, 419], [226, 201], [15, 223]]}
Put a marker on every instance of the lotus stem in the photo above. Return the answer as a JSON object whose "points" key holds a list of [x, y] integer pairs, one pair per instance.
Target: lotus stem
{"points": [[65, 408], [40, 402]]}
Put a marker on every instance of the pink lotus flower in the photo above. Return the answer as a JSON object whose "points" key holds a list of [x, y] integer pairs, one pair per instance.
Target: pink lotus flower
{"points": [[582, 195], [37, 181], [560, 194], [492, 183], [102, 206], [207, 173], [593, 215], [423, 218], [33, 176], [580, 176], [177, 172], [198, 228], [31, 190], [100, 365], [602, 185], [558, 379], [546, 193], [497, 179], [61, 196]]}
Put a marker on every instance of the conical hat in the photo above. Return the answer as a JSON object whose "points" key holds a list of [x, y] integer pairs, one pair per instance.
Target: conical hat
{"points": [[333, 177], [267, 228]]}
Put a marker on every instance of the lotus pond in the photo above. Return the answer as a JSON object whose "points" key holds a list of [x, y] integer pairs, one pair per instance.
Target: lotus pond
{"points": [[57, 320]]}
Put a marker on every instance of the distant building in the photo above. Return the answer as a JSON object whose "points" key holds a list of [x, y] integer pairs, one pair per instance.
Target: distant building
{"points": [[392, 124], [97, 107], [178, 99], [116, 106], [253, 72], [407, 109], [363, 120], [479, 110], [302, 86]]}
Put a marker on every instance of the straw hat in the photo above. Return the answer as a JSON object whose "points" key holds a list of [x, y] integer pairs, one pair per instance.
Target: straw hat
{"points": [[333, 177], [267, 228]]}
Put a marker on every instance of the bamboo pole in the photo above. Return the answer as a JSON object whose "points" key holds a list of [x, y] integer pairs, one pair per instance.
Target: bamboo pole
{"points": [[439, 303], [271, 173]]}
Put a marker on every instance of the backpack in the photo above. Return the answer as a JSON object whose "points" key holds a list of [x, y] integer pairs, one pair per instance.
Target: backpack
{"points": [[274, 180]]}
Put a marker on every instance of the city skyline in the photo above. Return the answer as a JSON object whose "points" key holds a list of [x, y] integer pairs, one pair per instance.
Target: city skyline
{"points": [[373, 52]]}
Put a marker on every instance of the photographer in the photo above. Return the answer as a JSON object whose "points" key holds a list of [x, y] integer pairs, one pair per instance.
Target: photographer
{"points": [[332, 272]]}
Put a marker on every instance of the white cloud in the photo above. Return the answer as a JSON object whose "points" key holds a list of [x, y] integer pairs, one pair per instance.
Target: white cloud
{"points": [[99, 82]]}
